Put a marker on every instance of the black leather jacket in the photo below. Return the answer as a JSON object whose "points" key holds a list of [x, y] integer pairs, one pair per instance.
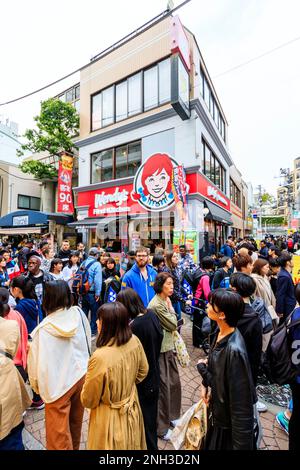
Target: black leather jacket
{"points": [[229, 375]]}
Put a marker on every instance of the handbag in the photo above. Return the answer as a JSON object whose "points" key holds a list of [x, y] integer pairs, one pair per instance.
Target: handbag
{"points": [[197, 428], [181, 350]]}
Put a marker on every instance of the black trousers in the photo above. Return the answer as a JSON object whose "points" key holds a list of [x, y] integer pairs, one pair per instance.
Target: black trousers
{"points": [[149, 406], [294, 424]]}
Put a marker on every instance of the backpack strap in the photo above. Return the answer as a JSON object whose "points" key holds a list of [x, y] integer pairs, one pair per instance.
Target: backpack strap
{"points": [[6, 354]]}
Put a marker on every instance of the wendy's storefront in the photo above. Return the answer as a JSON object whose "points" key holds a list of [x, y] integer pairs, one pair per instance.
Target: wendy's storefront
{"points": [[164, 205]]}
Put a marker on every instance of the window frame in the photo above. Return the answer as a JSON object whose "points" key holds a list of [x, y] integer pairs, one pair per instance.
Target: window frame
{"points": [[30, 202], [212, 175]]}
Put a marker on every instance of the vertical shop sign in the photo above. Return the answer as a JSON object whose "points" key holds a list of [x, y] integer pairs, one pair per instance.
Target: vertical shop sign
{"points": [[65, 198]]}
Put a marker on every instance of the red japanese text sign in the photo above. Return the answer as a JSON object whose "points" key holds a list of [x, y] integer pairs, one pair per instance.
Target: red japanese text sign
{"points": [[65, 198]]}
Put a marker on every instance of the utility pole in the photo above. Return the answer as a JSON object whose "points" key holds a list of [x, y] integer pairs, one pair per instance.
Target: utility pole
{"points": [[260, 202]]}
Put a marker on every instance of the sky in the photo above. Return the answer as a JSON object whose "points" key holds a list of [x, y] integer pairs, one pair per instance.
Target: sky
{"points": [[44, 40]]}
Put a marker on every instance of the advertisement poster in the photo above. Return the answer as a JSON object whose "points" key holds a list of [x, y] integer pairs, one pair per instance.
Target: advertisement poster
{"points": [[64, 193], [296, 269], [191, 240]]}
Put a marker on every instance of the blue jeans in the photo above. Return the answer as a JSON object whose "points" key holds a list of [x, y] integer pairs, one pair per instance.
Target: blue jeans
{"points": [[177, 308], [89, 303], [14, 439]]}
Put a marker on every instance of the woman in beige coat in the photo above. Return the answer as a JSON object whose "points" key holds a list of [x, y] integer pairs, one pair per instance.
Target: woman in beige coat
{"points": [[264, 291], [109, 391], [14, 398]]}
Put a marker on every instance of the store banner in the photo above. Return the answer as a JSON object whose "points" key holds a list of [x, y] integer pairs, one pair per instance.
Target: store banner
{"points": [[65, 197], [296, 269]]}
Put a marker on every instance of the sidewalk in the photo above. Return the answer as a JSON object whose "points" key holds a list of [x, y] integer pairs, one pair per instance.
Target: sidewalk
{"points": [[273, 437]]}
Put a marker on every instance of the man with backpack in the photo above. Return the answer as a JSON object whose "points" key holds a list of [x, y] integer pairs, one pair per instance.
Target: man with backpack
{"points": [[222, 276], [228, 249], [91, 285], [285, 295]]}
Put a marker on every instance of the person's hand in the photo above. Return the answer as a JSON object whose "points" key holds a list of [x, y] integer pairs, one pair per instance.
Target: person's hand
{"points": [[7, 283], [169, 303], [205, 394], [190, 297], [97, 298], [203, 361], [188, 302]]}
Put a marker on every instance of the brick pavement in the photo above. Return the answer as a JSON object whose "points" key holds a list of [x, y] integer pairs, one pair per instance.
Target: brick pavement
{"points": [[273, 437]]}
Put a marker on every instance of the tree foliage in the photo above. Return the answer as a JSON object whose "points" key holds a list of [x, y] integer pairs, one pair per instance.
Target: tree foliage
{"points": [[38, 169], [266, 197], [57, 124]]}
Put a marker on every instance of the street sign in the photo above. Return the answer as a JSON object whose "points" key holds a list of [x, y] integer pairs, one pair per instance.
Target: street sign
{"points": [[254, 216], [296, 214]]}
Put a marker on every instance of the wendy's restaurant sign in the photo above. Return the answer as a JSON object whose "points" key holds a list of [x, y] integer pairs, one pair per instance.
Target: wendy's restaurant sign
{"points": [[158, 185], [199, 184]]}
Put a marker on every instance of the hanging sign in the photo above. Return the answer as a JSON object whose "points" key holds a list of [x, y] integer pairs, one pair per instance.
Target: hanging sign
{"points": [[65, 198]]}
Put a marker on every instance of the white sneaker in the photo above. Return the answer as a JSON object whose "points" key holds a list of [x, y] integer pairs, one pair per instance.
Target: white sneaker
{"points": [[174, 422], [167, 436], [261, 407]]}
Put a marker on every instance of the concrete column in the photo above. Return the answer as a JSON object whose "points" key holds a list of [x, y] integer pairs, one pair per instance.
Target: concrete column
{"points": [[48, 197]]}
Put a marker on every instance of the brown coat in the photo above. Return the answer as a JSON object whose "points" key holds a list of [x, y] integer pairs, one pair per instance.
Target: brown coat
{"points": [[116, 420], [14, 398]]}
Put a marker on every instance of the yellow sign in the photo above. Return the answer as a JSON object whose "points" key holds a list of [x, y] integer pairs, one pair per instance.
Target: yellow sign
{"points": [[296, 269]]}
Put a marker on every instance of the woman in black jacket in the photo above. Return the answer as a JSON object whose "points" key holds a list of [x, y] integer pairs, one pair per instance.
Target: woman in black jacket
{"points": [[146, 326], [228, 375]]}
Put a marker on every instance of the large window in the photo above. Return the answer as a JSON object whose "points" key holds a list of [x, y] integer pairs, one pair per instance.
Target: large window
{"points": [[138, 93], [212, 168], [235, 194], [29, 202], [118, 162], [211, 103]]}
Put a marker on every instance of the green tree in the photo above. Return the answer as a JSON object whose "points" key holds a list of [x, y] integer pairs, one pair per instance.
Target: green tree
{"points": [[266, 197], [57, 124]]}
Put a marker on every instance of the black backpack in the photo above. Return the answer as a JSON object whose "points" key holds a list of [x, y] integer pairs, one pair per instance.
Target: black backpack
{"points": [[260, 308], [277, 363], [193, 278]]}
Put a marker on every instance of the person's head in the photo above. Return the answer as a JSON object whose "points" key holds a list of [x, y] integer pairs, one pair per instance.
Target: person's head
{"points": [[182, 250], [230, 242], [65, 246], [29, 243], [111, 264], [225, 306], [103, 258], [243, 284], [34, 264], [172, 259], [245, 249], [94, 252], [208, 263], [56, 266], [80, 246], [226, 262], [243, 263], [131, 255], [286, 261], [48, 253], [44, 246], [57, 295], [113, 325], [158, 261], [6, 255], [2, 263], [4, 297], [73, 258], [274, 266], [261, 267], [274, 252], [142, 257], [132, 301], [164, 285], [220, 255], [22, 286], [263, 243]]}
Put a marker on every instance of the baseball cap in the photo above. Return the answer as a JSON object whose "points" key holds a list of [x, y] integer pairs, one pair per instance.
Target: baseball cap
{"points": [[93, 251]]}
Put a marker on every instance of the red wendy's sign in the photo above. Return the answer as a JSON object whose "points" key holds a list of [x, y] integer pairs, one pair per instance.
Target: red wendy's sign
{"points": [[199, 184], [65, 199]]}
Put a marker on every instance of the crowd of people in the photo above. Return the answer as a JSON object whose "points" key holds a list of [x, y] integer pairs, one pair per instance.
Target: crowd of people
{"points": [[53, 305]]}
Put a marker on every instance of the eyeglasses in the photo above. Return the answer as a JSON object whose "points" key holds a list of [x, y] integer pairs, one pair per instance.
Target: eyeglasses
{"points": [[142, 256]]}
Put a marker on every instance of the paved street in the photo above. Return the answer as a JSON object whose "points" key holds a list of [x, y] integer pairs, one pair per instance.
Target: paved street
{"points": [[273, 437]]}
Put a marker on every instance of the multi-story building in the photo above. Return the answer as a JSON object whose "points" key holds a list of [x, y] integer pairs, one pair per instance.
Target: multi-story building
{"points": [[148, 111]]}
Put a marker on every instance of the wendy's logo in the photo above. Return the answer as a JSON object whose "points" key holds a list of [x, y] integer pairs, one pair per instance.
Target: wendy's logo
{"points": [[152, 186]]}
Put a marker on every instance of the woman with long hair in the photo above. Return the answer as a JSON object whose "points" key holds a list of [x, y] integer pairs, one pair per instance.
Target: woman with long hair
{"points": [[71, 268], [227, 376], [171, 266], [57, 364], [4, 278], [116, 367], [146, 326], [169, 403], [27, 304]]}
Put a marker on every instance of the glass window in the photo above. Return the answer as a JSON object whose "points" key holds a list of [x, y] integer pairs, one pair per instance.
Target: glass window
{"points": [[23, 202], [203, 157], [62, 97], [134, 157], [212, 167], [207, 162], [164, 72], [212, 105], [102, 166], [70, 95], [217, 174], [77, 105], [216, 117], [135, 94], [206, 92], [121, 101], [35, 203], [77, 92], [96, 112], [121, 161], [151, 88], [108, 106]]}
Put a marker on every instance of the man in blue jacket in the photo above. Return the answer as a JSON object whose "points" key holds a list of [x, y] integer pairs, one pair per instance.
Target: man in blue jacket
{"points": [[228, 249], [141, 276], [285, 295], [91, 300]]}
